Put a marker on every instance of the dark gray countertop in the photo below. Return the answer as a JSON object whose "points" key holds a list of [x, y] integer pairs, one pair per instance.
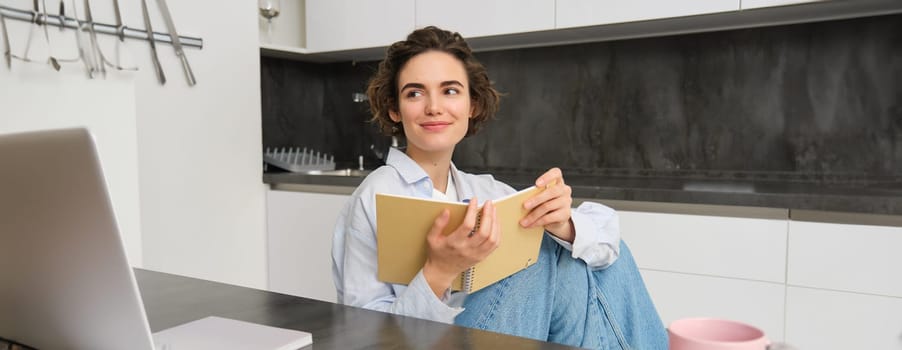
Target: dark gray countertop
{"points": [[171, 300], [784, 191]]}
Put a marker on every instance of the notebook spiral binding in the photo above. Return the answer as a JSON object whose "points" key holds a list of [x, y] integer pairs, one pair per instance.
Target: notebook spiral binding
{"points": [[467, 279], [468, 275]]}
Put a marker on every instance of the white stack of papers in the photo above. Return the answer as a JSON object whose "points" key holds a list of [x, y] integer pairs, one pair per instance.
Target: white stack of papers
{"points": [[217, 333]]}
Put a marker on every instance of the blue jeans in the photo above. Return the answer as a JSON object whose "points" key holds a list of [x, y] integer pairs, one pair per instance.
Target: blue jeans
{"points": [[560, 299]]}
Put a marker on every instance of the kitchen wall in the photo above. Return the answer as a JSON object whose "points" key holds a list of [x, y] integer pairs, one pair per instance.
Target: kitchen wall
{"points": [[311, 105], [797, 100], [183, 163]]}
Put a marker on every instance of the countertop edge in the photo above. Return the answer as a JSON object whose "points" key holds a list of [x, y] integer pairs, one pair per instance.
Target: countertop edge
{"points": [[815, 207]]}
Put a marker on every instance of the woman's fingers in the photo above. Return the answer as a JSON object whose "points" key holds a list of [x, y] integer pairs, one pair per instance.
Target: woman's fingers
{"points": [[495, 239], [469, 223], [489, 229], [550, 193], [441, 221], [551, 211], [549, 177], [553, 199]]}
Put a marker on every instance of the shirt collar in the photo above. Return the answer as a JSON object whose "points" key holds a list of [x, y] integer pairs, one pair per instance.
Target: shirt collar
{"points": [[409, 170], [412, 173]]}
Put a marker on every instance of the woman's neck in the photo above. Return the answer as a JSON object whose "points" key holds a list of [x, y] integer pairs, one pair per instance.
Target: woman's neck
{"points": [[436, 165]]}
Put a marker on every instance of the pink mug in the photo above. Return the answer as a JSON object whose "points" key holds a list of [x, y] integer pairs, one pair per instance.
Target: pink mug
{"points": [[716, 334]]}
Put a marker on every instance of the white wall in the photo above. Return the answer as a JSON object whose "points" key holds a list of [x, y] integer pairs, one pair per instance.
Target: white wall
{"points": [[200, 150], [183, 163]]}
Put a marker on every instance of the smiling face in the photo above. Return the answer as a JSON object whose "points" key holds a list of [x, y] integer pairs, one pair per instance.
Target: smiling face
{"points": [[433, 103]]}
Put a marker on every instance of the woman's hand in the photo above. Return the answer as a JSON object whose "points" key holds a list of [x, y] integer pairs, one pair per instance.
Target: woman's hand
{"points": [[471, 242], [551, 207]]}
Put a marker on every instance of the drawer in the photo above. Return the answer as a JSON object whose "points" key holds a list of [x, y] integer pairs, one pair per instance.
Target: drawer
{"points": [[710, 245], [831, 320], [856, 258], [679, 295], [299, 234]]}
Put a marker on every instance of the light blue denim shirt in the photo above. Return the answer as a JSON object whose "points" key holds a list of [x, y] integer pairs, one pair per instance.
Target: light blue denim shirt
{"points": [[354, 263]]}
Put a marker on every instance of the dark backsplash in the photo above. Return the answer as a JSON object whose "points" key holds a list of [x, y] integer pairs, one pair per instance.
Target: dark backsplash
{"points": [[819, 98]]}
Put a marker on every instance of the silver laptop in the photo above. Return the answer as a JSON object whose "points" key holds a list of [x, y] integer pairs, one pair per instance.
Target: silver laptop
{"points": [[65, 282]]}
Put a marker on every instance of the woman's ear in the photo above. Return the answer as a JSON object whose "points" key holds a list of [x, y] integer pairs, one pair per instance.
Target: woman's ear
{"points": [[394, 115], [474, 111]]}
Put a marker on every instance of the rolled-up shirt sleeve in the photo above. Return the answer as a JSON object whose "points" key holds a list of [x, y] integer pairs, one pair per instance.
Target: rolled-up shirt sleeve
{"points": [[597, 240]]}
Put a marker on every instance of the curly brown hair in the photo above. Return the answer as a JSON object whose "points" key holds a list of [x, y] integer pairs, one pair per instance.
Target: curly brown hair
{"points": [[383, 87]]}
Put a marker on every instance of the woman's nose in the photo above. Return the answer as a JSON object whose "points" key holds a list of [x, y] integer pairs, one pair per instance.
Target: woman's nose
{"points": [[433, 106]]}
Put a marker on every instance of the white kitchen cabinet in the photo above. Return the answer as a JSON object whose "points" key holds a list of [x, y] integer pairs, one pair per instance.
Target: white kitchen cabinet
{"points": [[832, 320], [336, 25], [751, 4], [817, 285], [712, 266], [286, 31], [476, 18], [349, 30], [579, 13], [748, 248], [678, 295], [855, 258], [299, 234]]}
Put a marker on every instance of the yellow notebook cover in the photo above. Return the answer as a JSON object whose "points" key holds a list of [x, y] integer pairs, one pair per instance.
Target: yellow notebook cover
{"points": [[402, 223]]}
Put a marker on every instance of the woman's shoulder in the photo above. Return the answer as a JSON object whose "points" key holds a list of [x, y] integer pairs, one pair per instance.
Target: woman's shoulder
{"points": [[384, 179]]}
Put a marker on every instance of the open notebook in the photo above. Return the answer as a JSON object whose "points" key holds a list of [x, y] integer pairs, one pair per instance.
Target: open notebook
{"points": [[402, 223], [66, 282]]}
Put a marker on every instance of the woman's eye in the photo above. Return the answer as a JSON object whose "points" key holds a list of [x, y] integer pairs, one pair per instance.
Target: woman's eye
{"points": [[452, 91], [412, 94]]}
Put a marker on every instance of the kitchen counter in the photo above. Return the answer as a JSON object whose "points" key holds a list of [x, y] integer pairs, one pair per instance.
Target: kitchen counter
{"points": [[848, 194]]}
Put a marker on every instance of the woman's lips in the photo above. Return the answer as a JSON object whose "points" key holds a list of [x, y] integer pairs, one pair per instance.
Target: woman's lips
{"points": [[435, 126]]}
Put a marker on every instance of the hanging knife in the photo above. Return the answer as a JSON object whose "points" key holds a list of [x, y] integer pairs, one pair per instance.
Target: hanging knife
{"points": [[176, 42], [153, 46], [120, 29], [95, 47], [7, 53], [62, 16]]}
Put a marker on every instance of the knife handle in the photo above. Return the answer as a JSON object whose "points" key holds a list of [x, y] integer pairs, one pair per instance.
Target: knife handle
{"points": [[188, 73], [159, 69]]}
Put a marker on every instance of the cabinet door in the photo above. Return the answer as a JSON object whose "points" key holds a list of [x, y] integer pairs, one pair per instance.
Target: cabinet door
{"points": [[475, 18], [854, 258], [750, 4], [336, 25], [286, 31], [578, 13], [747, 248], [831, 320], [299, 234], [679, 295]]}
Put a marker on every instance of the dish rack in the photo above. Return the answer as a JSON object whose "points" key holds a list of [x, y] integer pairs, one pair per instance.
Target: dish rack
{"points": [[297, 160]]}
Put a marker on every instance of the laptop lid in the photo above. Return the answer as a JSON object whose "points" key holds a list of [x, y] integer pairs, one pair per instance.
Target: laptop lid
{"points": [[66, 281]]}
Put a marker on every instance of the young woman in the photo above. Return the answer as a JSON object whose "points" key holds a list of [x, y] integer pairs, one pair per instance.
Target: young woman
{"points": [[585, 290]]}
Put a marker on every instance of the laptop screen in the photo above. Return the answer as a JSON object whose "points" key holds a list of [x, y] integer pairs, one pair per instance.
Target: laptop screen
{"points": [[66, 281]]}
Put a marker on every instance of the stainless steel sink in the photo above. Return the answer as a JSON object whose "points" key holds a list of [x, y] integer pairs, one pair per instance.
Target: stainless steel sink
{"points": [[339, 172]]}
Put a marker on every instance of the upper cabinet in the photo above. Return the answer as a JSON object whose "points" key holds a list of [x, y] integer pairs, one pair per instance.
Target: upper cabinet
{"points": [[751, 4], [336, 25], [479, 18], [358, 30], [285, 31], [579, 13]]}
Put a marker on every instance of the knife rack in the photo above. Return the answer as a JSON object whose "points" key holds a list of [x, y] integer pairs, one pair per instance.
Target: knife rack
{"points": [[74, 23]]}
